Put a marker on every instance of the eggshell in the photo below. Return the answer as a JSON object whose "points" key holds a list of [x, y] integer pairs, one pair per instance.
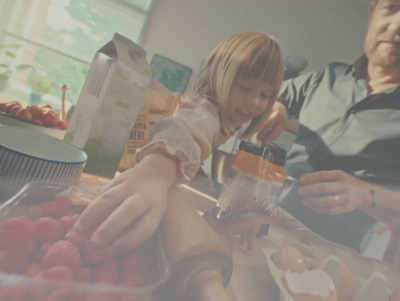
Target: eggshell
{"points": [[395, 296], [313, 285], [347, 282], [289, 258]]}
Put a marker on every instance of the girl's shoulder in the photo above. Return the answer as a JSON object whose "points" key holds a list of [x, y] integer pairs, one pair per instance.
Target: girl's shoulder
{"points": [[197, 101]]}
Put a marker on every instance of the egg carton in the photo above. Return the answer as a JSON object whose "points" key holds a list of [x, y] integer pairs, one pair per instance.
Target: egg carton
{"points": [[374, 279]]}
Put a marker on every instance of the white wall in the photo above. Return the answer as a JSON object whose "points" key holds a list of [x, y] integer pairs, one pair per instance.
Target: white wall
{"points": [[319, 30]]}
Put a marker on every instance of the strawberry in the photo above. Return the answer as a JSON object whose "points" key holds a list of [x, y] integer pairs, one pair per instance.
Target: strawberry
{"points": [[78, 238], [8, 106], [83, 275], [46, 106], [48, 229], [13, 261], [50, 118], [15, 108], [23, 114], [68, 221], [16, 232], [106, 271], [57, 272], [93, 254], [35, 110], [62, 252], [2, 106], [37, 121], [63, 125]]}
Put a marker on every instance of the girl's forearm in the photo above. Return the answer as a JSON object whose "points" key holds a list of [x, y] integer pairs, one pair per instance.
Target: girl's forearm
{"points": [[162, 165]]}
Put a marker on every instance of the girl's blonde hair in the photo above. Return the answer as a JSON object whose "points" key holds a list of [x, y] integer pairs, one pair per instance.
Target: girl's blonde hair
{"points": [[245, 55]]}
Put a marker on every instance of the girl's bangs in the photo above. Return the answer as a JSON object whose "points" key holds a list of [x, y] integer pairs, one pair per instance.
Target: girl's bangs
{"points": [[267, 66]]}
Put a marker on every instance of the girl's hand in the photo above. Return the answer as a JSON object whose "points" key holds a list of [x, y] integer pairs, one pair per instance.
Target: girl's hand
{"points": [[131, 207], [332, 192], [275, 124]]}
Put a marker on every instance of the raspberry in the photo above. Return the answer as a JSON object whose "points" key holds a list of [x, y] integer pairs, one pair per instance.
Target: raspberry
{"points": [[83, 275], [32, 248], [78, 238], [13, 292], [68, 221], [130, 280], [42, 251], [48, 229], [16, 232], [106, 271], [13, 261], [57, 208], [130, 262], [64, 253], [32, 270], [58, 272], [93, 254]]}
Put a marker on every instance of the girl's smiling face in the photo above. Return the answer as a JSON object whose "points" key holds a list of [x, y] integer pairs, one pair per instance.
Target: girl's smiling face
{"points": [[247, 99]]}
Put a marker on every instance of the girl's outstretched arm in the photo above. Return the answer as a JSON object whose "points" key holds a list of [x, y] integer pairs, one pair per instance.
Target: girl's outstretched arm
{"points": [[131, 206]]}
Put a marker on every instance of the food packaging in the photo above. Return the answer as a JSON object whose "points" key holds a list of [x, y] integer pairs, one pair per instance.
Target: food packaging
{"points": [[374, 279], [254, 180], [153, 269], [156, 106], [108, 104]]}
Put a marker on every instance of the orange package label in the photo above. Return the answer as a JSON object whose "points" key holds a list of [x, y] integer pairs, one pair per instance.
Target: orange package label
{"points": [[259, 167]]}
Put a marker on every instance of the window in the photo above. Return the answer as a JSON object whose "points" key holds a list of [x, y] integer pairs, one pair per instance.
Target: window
{"points": [[60, 37]]}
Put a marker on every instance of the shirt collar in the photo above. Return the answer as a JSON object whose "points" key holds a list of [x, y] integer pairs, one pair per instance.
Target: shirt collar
{"points": [[360, 67], [360, 71]]}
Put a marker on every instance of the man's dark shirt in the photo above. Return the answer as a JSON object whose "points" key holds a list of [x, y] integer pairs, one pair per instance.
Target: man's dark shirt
{"points": [[341, 128]]}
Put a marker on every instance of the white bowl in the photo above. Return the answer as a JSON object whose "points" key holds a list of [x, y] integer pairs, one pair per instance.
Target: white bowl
{"points": [[54, 131], [27, 156]]}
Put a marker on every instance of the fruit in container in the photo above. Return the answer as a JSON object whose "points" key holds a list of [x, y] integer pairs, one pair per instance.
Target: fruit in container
{"points": [[7, 107], [41, 247], [40, 115], [24, 114]]}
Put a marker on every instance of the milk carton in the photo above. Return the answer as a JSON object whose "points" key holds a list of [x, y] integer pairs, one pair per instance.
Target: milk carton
{"points": [[108, 104]]}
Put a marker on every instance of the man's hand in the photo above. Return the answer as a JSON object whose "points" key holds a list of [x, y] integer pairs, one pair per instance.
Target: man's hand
{"points": [[275, 124], [332, 192]]}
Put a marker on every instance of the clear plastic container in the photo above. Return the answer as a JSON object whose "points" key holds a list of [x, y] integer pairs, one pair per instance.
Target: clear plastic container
{"points": [[153, 268], [373, 279]]}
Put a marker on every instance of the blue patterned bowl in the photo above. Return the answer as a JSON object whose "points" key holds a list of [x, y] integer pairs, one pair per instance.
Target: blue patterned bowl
{"points": [[27, 156]]}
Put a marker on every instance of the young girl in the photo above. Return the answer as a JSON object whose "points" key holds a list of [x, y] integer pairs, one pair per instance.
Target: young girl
{"points": [[236, 92]]}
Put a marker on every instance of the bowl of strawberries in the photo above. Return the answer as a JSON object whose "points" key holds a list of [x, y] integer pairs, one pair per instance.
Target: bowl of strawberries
{"points": [[40, 118]]}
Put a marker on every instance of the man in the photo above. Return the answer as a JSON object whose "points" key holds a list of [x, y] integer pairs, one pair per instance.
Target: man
{"points": [[347, 154]]}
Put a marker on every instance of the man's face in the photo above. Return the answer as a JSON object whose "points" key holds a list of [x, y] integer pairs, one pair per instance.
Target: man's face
{"points": [[382, 44]]}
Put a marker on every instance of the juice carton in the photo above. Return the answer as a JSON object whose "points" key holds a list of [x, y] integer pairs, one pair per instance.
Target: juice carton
{"points": [[108, 104]]}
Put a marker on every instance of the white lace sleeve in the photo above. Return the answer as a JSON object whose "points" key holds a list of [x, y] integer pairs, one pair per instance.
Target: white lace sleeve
{"points": [[189, 135]]}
